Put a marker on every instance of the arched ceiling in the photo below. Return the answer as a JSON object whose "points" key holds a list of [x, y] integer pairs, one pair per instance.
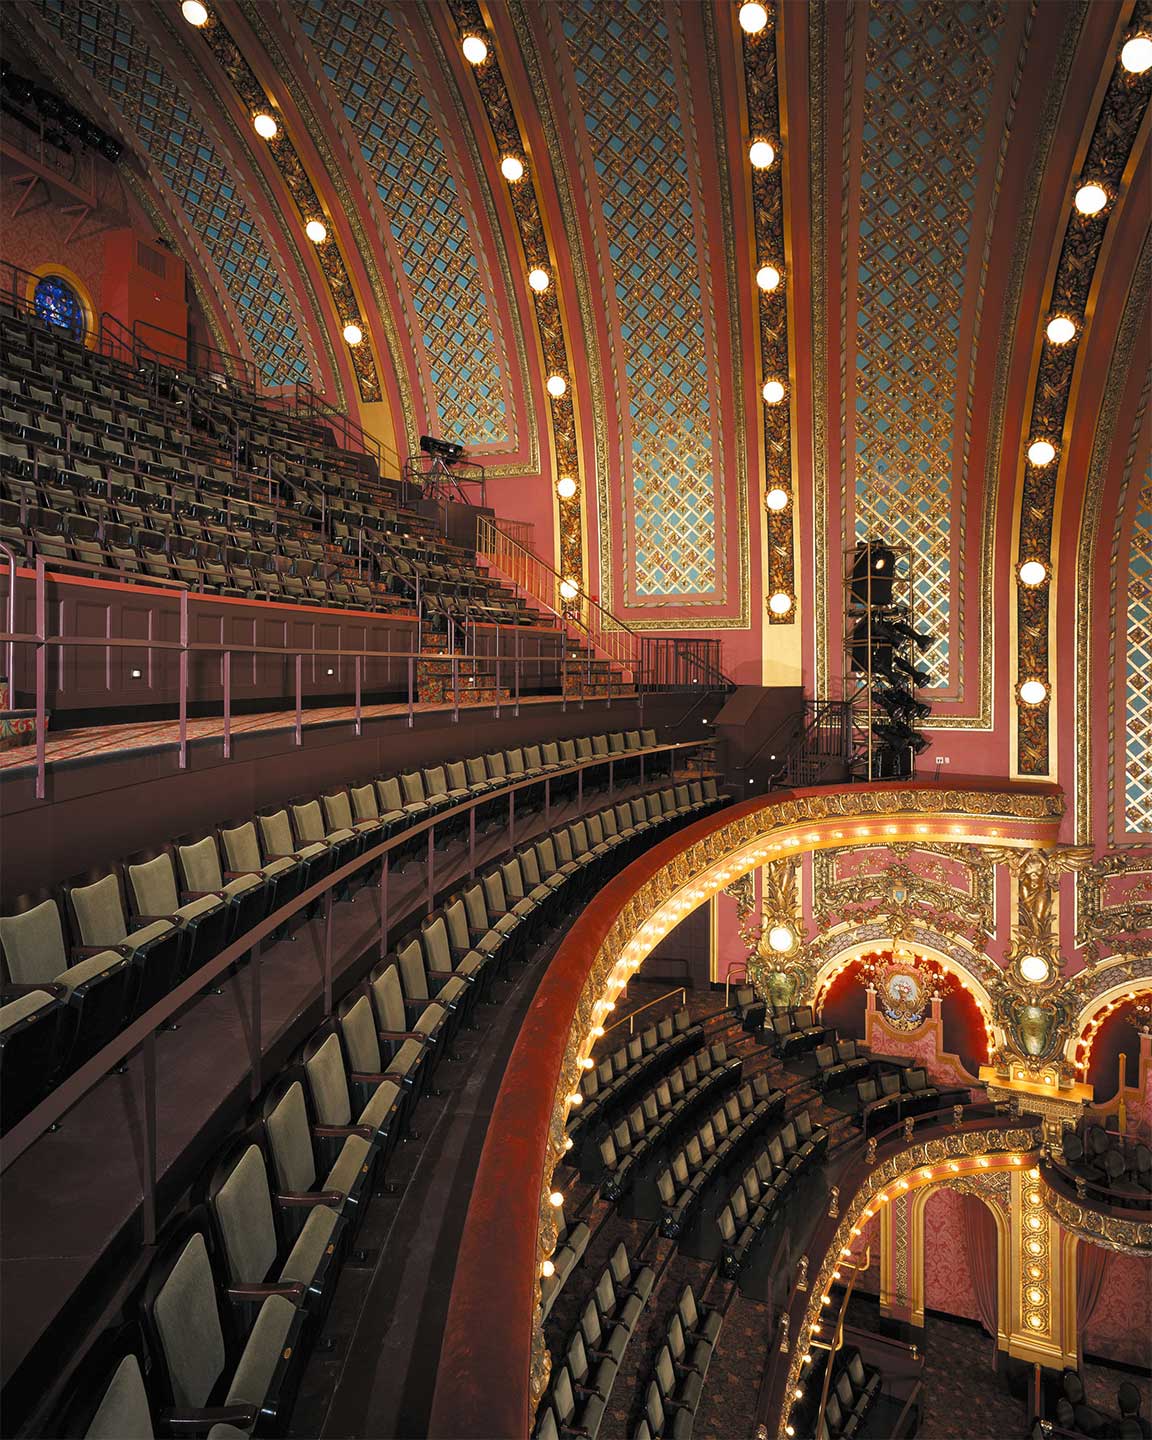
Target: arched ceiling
{"points": [[918, 211]]}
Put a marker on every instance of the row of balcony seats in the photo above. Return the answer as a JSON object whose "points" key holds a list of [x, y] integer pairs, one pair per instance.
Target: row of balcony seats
{"points": [[1075, 1414], [676, 1386], [715, 1148], [1093, 1154], [623, 1149], [114, 479], [581, 1385], [885, 1099], [844, 1062], [755, 1205], [84, 962], [628, 1068], [794, 1031], [852, 1393], [241, 1285]]}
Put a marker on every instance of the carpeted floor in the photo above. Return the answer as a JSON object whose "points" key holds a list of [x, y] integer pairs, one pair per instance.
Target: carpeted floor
{"points": [[963, 1397]]}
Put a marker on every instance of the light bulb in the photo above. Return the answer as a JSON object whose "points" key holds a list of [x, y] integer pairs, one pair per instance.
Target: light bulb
{"points": [[1033, 572], [1041, 452], [781, 938], [538, 279], [194, 12], [548, 1269], [566, 487], [780, 603], [773, 392], [1091, 198], [1035, 969], [761, 154], [776, 499], [1061, 329], [316, 232], [753, 17], [475, 49], [1032, 692], [512, 169], [768, 277], [556, 386], [265, 126], [353, 334], [556, 1198], [1136, 54], [569, 589]]}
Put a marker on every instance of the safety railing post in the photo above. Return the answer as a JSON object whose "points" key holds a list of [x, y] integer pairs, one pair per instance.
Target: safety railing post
{"points": [[328, 952], [227, 704], [41, 679], [516, 672], [431, 867], [299, 699], [497, 670], [384, 869], [359, 707], [148, 1104], [411, 688], [183, 664], [511, 819], [255, 1040]]}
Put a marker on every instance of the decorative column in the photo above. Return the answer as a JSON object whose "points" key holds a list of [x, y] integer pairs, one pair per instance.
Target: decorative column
{"points": [[1041, 1318]]}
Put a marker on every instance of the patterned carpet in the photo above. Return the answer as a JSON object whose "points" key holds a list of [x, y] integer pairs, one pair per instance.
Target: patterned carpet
{"points": [[963, 1398], [102, 741]]}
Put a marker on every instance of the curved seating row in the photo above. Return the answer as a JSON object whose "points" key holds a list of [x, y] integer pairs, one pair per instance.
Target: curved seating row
{"points": [[578, 1393], [622, 1073], [714, 1149], [241, 1283], [631, 1147], [884, 1099], [679, 1371], [84, 961], [754, 1205], [852, 1392]]}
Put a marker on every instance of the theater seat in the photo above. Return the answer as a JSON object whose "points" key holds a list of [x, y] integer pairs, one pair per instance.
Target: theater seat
{"points": [[379, 1108], [293, 1150], [31, 1049], [204, 918], [201, 1356], [156, 949], [248, 895], [404, 1061], [254, 1246], [101, 990]]}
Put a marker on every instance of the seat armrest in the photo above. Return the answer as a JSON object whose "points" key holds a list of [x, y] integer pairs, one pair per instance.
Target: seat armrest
{"points": [[342, 1132], [293, 1290], [440, 974], [243, 1417], [417, 1006], [152, 919], [11, 990], [241, 874], [311, 1199], [402, 1035], [366, 1077], [187, 895], [85, 952]]}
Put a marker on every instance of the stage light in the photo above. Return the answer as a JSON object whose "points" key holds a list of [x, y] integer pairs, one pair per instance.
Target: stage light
{"points": [[773, 392], [265, 126], [1033, 692], [1033, 572], [566, 487], [1041, 452], [768, 278], [776, 499], [1136, 55], [754, 17], [316, 232], [556, 386], [538, 279], [475, 49], [194, 12], [353, 334], [1091, 198], [780, 603], [512, 169], [1061, 329], [761, 154]]}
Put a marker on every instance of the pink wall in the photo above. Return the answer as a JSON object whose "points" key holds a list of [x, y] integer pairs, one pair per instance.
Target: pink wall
{"points": [[1121, 1326], [947, 1272]]}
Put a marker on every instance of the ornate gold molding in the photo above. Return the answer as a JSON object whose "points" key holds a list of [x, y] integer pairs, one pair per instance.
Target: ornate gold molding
{"points": [[1130, 1237]]}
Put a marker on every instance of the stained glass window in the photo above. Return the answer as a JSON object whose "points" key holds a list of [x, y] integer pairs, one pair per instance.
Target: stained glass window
{"points": [[58, 304]]}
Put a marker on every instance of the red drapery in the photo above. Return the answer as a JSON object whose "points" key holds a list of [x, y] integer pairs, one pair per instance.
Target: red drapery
{"points": [[980, 1241], [1091, 1264]]}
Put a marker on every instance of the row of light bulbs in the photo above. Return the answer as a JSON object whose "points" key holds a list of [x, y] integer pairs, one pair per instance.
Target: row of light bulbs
{"points": [[474, 47], [1087, 1040], [1090, 199]]}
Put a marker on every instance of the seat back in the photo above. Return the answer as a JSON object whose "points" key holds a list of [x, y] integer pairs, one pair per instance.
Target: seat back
{"points": [[456, 921], [413, 786], [436, 781], [338, 811], [361, 1043], [153, 886], [437, 950], [389, 791], [200, 865], [410, 958], [123, 1412], [242, 1205], [99, 912], [290, 1141], [276, 833], [476, 907], [494, 895], [34, 945], [328, 1083], [242, 848], [388, 998], [187, 1320]]}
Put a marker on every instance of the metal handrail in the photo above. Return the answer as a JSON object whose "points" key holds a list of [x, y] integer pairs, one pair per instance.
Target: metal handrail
{"points": [[72, 1089], [628, 1019], [739, 971], [837, 1341]]}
